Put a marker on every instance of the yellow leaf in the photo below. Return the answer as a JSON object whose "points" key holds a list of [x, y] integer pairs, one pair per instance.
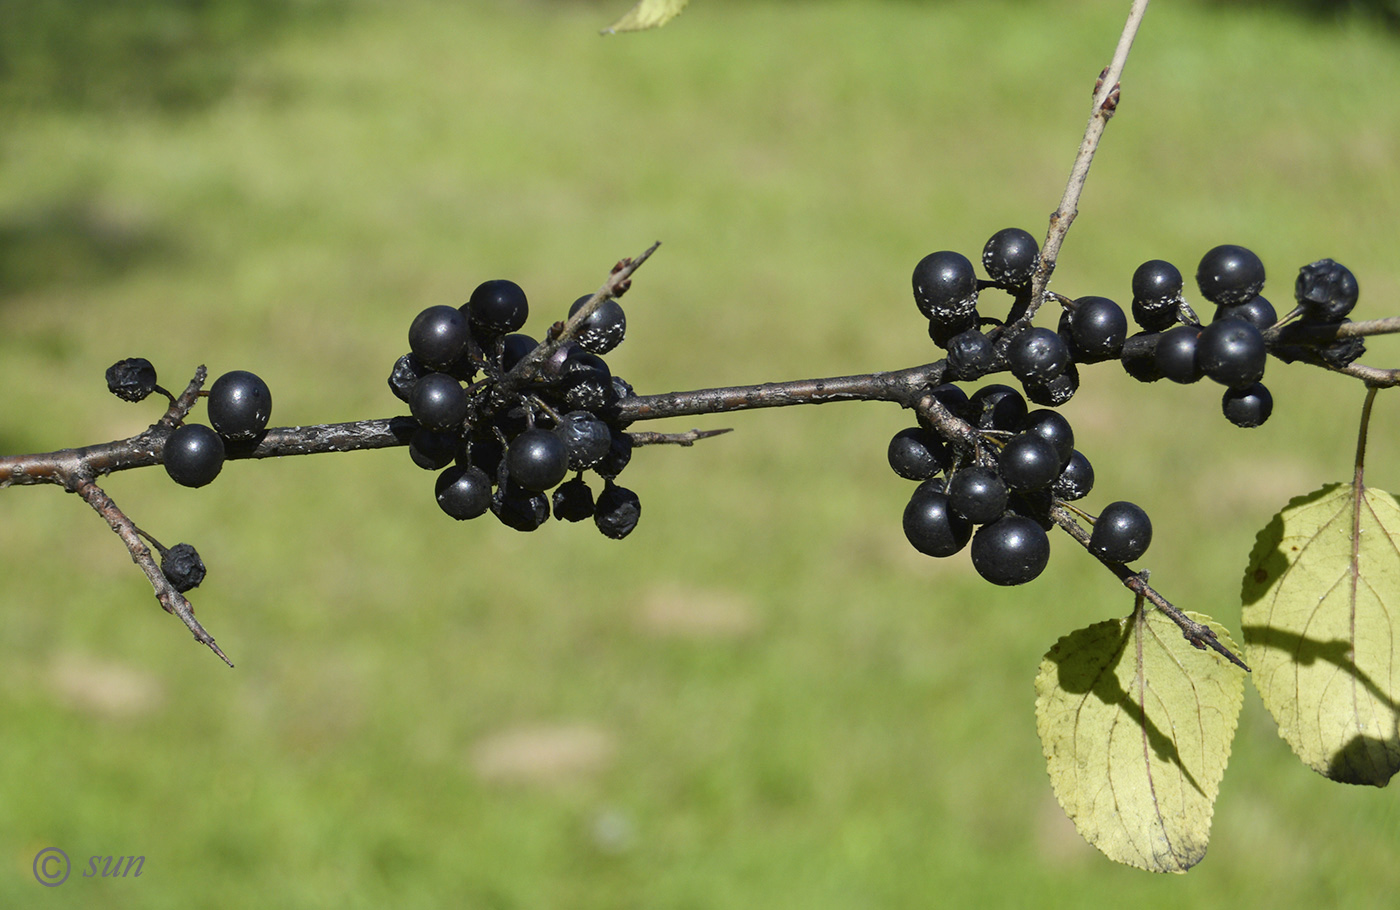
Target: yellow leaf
{"points": [[1136, 725], [647, 14], [1322, 630]]}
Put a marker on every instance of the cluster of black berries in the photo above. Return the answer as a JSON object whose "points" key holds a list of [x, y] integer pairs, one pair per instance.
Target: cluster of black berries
{"points": [[239, 405], [1233, 348], [1024, 463], [502, 445]]}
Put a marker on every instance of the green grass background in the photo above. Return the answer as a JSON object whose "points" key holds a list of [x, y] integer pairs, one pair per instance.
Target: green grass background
{"points": [[763, 697]]}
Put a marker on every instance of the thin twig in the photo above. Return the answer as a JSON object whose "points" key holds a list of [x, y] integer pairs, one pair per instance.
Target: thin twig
{"points": [[1106, 95], [688, 438], [170, 599]]}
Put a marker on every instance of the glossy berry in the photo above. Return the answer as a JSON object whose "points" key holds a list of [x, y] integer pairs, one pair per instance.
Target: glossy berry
{"points": [[1028, 462], [514, 347], [1232, 352], [573, 500], [942, 329], [996, 407], [1176, 354], [1140, 356], [182, 567], [1096, 328], [537, 460], [439, 335], [433, 450], [1121, 533], [194, 455], [917, 454], [971, 355], [131, 379], [945, 286], [438, 402], [1037, 355], [1230, 274], [586, 381], [1326, 291], [497, 307], [1054, 429], [932, 526], [1257, 311], [586, 437], [617, 511], [1075, 480], [240, 404], [603, 330], [1012, 550], [1010, 257], [955, 399], [1248, 407], [463, 493], [978, 494], [1157, 296]]}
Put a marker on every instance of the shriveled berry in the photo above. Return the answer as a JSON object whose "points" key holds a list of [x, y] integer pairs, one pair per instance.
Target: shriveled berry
{"points": [[1230, 274], [182, 567], [573, 500], [586, 437], [131, 379], [1121, 533], [1012, 550], [971, 355], [407, 371], [239, 405], [617, 511], [1325, 290], [618, 457], [194, 455]]}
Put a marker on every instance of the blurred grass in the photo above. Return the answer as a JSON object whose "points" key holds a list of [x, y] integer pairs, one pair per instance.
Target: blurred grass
{"points": [[763, 697]]}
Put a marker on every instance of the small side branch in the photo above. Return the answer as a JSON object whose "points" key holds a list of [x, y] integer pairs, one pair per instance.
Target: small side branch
{"points": [[170, 599], [687, 438]]}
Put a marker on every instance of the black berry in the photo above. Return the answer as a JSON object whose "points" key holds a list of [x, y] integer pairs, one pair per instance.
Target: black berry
{"points": [[438, 402], [537, 460], [1054, 429], [1037, 355], [917, 454], [1257, 311], [463, 493], [1248, 407], [1230, 274], [432, 450], [407, 371], [438, 336], [1176, 354], [1076, 480], [497, 307], [1010, 257], [519, 508], [240, 404], [996, 407], [1029, 462], [1012, 550], [604, 330], [1121, 533], [932, 526], [978, 494], [1096, 328], [945, 286], [1156, 294], [586, 437], [971, 355], [1232, 352], [573, 500], [194, 455]]}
